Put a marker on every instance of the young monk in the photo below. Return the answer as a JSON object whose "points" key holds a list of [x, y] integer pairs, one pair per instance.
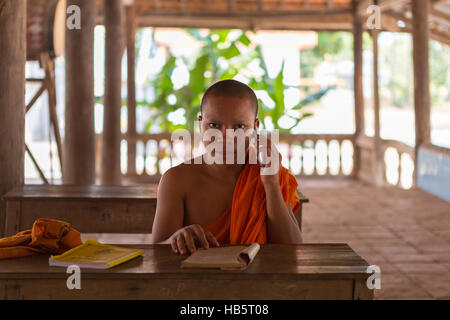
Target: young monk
{"points": [[205, 205]]}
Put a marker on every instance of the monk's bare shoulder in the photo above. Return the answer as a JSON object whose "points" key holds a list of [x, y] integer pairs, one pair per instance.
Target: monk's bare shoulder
{"points": [[182, 177]]}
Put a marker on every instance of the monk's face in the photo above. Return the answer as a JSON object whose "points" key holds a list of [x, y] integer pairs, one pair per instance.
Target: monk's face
{"points": [[222, 113]]}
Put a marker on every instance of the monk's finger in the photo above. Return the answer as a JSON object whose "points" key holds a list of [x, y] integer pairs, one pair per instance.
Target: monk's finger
{"points": [[200, 233], [212, 239], [189, 240], [252, 154], [181, 244], [173, 244]]}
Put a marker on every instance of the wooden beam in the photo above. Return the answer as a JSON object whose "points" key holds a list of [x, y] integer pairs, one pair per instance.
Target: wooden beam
{"points": [[110, 159], [441, 17], [49, 67], [36, 165], [438, 2], [378, 161], [434, 34], [131, 85], [392, 4], [357, 80], [385, 5], [360, 6], [232, 6], [79, 140], [319, 22], [35, 97], [420, 10], [324, 12], [443, 37], [12, 98]]}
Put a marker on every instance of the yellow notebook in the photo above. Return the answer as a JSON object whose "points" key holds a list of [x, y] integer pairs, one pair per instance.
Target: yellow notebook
{"points": [[93, 254], [225, 258]]}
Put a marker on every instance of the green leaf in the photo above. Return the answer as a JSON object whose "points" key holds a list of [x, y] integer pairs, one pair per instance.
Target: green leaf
{"points": [[244, 39], [230, 52], [312, 98]]}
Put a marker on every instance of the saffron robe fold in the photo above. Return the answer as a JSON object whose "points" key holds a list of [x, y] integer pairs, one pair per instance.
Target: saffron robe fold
{"points": [[46, 236], [245, 222]]}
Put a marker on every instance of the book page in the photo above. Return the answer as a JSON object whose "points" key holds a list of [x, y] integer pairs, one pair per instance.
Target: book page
{"points": [[229, 257], [249, 253]]}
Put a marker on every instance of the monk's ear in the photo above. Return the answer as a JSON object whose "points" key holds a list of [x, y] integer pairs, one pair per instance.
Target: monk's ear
{"points": [[257, 123], [199, 118]]}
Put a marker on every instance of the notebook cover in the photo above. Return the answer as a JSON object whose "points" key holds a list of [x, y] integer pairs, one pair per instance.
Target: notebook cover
{"points": [[95, 254]]}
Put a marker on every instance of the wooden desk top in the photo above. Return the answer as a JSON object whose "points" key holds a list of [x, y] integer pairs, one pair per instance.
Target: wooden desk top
{"points": [[95, 192], [273, 262], [30, 191]]}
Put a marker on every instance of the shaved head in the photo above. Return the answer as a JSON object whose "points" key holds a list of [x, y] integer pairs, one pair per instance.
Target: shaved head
{"points": [[230, 88]]}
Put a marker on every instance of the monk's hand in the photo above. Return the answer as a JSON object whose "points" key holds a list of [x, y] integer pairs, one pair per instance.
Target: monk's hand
{"points": [[269, 159], [189, 238]]}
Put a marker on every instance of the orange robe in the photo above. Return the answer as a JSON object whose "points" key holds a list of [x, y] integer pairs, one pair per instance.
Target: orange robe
{"points": [[245, 221], [46, 236]]}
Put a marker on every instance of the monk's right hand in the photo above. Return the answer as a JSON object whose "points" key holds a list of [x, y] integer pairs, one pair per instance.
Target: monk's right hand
{"points": [[189, 238]]}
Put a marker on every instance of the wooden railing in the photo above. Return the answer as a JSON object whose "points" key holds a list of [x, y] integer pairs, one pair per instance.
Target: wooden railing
{"points": [[305, 155], [398, 162], [313, 155]]}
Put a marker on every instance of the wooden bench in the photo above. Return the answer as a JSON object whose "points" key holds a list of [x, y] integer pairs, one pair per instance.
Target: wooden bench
{"points": [[306, 271], [90, 209]]}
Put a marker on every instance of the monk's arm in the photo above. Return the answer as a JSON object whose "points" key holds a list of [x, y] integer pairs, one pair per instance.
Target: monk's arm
{"points": [[282, 226], [169, 208]]}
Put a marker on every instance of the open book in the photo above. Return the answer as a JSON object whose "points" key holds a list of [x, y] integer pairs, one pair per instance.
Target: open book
{"points": [[225, 258], [93, 254]]}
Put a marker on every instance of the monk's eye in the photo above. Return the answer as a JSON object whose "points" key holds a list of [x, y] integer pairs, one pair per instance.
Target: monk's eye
{"points": [[240, 126], [214, 125]]}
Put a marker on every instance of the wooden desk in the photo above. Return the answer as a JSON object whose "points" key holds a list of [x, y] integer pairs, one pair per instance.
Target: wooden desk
{"points": [[307, 271], [90, 209]]}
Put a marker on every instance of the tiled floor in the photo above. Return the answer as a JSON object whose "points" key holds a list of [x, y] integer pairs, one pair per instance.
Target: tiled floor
{"points": [[405, 232]]}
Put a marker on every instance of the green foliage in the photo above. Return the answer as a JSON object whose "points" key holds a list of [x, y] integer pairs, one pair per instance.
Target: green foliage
{"points": [[333, 46], [439, 74], [223, 55], [275, 89]]}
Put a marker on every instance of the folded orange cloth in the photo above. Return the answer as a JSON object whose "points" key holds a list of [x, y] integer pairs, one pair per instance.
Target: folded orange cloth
{"points": [[46, 236], [245, 221]]}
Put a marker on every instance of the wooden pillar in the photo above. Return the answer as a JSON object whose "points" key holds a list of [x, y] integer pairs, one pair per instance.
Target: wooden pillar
{"points": [[131, 91], [378, 161], [358, 21], [79, 140], [12, 97], [110, 168], [420, 35]]}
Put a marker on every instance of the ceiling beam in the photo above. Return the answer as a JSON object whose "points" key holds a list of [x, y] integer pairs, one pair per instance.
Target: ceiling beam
{"points": [[304, 22], [440, 16], [392, 4], [324, 14], [441, 36], [385, 5], [438, 2]]}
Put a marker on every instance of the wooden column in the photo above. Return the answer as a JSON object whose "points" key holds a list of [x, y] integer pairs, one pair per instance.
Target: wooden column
{"points": [[131, 91], [110, 168], [358, 21], [420, 35], [378, 161], [12, 97], [79, 140]]}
